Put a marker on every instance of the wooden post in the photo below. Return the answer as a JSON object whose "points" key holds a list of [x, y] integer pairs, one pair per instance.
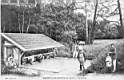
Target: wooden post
{"points": [[19, 58], [5, 55]]}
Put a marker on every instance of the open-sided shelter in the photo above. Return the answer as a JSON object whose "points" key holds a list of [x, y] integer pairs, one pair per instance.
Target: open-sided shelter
{"points": [[19, 43]]}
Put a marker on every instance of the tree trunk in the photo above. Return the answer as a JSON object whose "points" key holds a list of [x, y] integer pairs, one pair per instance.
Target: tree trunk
{"points": [[23, 21], [19, 23], [4, 29], [94, 22], [28, 22], [87, 31], [86, 26], [121, 29]]}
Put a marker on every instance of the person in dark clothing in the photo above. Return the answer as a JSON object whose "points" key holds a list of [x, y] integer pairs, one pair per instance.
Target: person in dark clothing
{"points": [[112, 53]]}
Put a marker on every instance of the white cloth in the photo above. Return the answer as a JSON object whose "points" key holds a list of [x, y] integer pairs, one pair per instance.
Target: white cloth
{"points": [[11, 62], [10, 58], [31, 57]]}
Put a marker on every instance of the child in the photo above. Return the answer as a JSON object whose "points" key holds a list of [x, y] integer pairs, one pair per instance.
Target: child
{"points": [[108, 63]]}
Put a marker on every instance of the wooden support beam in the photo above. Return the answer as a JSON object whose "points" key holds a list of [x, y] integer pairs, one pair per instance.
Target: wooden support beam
{"points": [[5, 53]]}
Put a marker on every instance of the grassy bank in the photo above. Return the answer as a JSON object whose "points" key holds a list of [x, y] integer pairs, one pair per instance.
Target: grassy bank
{"points": [[98, 47], [98, 50], [98, 64]]}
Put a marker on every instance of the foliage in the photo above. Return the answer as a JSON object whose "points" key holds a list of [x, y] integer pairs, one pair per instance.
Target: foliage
{"points": [[57, 22], [98, 64], [18, 18], [54, 21], [8, 19], [107, 30]]}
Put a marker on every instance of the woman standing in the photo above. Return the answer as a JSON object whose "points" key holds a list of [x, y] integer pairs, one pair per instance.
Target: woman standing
{"points": [[112, 52], [81, 56], [81, 59]]}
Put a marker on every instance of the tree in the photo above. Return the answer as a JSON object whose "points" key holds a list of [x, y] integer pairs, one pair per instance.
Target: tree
{"points": [[86, 26], [56, 19], [8, 19], [106, 11], [94, 21], [121, 29], [19, 18]]}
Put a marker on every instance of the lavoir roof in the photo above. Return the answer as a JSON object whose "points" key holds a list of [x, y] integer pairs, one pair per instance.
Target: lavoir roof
{"points": [[28, 42]]}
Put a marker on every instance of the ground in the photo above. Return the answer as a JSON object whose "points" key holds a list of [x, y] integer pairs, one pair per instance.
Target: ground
{"points": [[64, 67], [59, 66], [67, 68]]}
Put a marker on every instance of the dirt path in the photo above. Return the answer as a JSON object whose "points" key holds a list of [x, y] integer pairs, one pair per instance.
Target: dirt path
{"points": [[64, 68], [61, 66]]}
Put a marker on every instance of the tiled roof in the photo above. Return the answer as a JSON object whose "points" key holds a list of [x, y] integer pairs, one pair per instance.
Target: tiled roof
{"points": [[28, 42]]}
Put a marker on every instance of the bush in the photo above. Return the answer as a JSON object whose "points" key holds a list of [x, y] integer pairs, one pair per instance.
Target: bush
{"points": [[98, 65], [64, 52]]}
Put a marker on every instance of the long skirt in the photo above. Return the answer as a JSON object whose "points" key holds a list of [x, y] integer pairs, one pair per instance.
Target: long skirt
{"points": [[81, 61]]}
